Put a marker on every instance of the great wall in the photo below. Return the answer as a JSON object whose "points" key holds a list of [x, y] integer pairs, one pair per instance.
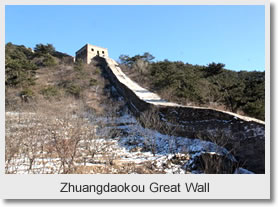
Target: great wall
{"points": [[243, 136]]}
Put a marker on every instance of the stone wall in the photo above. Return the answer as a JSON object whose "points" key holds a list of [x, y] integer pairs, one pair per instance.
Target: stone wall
{"points": [[243, 136]]}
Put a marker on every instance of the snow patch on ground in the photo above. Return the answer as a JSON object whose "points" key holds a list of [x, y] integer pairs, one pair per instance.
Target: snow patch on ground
{"points": [[129, 143]]}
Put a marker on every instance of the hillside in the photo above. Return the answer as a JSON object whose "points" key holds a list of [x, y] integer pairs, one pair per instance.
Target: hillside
{"points": [[66, 117], [210, 86]]}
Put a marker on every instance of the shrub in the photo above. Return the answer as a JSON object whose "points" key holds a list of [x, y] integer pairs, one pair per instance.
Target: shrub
{"points": [[48, 61], [214, 69], [26, 94], [74, 90], [255, 109], [41, 49], [19, 70], [97, 71], [48, 54], [78, 65], [50, 91], [93, 82]]}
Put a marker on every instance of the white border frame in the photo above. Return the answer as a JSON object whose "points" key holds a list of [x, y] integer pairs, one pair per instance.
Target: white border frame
{"points": [[221, 186]]}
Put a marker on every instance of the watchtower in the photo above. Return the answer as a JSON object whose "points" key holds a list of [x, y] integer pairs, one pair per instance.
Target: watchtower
{"points": [[88, 52]]}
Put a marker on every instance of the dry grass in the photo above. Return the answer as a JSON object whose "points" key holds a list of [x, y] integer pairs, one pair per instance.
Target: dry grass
{"points": [[57, 139], [53, 134]]}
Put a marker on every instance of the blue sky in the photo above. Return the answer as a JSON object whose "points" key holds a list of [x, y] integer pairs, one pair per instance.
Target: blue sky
{"points": [[233, 35]]}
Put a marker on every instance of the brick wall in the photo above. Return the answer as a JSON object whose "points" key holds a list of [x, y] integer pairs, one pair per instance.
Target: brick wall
{"points": [[244, 137]]}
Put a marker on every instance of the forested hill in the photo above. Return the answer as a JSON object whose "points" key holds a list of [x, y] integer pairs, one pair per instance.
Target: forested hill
{"points": [[211, 86]]}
